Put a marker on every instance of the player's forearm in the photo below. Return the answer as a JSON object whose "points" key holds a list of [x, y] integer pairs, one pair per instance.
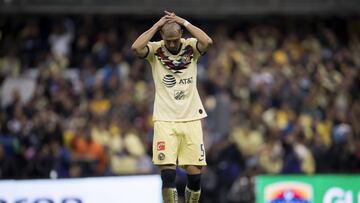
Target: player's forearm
{"points": [[200, 35], [141, 42]]}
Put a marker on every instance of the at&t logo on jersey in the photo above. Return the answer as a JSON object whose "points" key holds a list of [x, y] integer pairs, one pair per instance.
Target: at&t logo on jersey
{"points": [[288, 192], [169, 81], [186, 81]]}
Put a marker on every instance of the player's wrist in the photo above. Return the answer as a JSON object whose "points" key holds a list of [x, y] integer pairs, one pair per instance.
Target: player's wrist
{"points": [[186, 23], [156, 27]]}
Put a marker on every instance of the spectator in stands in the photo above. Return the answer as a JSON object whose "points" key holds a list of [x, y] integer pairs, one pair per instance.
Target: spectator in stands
{"points": [[88, 153], [8, 168]]}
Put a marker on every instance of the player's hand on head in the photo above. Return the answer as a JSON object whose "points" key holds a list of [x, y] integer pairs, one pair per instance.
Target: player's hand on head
{"points": [[172, 17], [161, 22], [169, 13]]}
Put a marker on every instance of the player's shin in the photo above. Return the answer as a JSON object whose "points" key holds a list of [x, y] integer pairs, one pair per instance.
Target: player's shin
{"points": [[169, 192], [192, 191], [170, 195], [192, 196]]}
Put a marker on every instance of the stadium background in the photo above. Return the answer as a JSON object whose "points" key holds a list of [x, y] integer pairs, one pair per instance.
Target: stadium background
{"points": [[280, 85]]}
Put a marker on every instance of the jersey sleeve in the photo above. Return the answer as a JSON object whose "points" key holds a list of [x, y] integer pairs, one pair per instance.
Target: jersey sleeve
{"points": [[194, 43], [151, 53]]}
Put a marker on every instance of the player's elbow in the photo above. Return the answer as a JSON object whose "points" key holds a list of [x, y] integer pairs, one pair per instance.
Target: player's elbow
{"points": [[139, 51], [209, 42], [135, 49]]}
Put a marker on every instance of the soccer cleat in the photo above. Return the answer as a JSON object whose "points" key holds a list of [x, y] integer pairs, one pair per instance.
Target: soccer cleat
{"points": [[192, 196], [170, 195]]}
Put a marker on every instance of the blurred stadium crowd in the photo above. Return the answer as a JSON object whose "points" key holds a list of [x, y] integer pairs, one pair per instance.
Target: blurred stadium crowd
{"points": [[282, 96]]}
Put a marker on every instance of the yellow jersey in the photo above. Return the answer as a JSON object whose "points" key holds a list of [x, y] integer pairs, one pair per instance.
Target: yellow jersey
{"points": [[176, 95]]}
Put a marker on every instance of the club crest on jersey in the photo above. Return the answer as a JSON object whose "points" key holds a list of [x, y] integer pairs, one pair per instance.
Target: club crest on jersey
{"points": [[179, 94], [160, 146], [161, 156], [176, 65]]}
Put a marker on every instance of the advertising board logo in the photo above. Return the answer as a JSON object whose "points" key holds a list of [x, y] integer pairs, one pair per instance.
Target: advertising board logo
{"points": [[288, 192], [339, 195], [44, 200]]}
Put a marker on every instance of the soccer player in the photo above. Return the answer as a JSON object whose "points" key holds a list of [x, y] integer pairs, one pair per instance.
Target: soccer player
{"points": [[178, 137]]}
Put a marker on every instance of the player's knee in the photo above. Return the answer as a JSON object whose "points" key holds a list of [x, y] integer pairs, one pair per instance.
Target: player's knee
{"points": [[193, 169], [194, 182], [168, 178]]}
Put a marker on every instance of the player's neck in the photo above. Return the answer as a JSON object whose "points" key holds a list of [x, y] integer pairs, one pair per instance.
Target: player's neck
{"points": [[174, 52]]}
